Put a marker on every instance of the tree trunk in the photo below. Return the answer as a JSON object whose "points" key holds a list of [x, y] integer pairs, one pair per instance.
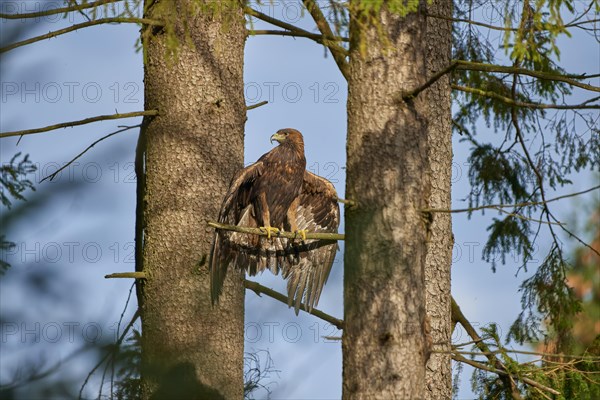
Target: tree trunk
{"points": [[385, 346], [439, 250], [192, 149]]}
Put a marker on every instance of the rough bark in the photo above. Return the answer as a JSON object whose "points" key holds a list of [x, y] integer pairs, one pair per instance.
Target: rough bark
{"points": [[385, 344], [439, 251], [192, 149]]}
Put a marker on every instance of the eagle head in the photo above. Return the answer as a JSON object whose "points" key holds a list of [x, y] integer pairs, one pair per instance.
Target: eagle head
{"points": [[288, 135]]}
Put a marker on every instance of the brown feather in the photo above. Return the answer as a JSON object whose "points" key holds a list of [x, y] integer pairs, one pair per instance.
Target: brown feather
{"points": [[266, 190]]}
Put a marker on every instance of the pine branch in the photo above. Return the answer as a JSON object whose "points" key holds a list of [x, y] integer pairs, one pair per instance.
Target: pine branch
{"points": [[80, 26], [61, 10], [123, 129], [517, 205], [260, 289], [511, 102], [289, 235], [503, 373], [569, 79], [79, 122], [459, 317]]}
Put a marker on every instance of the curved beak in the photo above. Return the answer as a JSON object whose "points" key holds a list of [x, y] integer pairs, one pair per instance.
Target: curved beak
{"points": [[278, 137]]}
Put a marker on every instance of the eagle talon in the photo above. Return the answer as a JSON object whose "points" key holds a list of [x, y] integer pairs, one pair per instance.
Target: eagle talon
{"points": [[269, 230], [302, 233]]}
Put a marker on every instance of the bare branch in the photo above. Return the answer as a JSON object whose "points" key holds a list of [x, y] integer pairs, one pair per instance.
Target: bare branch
{"points": [[61, 10], [80, 26], [413, 93], [253, 106], [289, 235], [123, 129], [314, 36], [337, 51], [79, 122], [509, 101], [569, 79], [134, 275], [260, 289], [517, 205], [328, 40]]}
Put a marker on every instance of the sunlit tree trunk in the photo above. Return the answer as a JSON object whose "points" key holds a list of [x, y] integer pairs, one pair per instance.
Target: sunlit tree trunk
{"points": [[439, 250], [385, 343], [192, 149]]}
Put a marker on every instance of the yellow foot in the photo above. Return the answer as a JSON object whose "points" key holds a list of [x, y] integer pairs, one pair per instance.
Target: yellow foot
{"points": [[302, 233], [269, 230]]}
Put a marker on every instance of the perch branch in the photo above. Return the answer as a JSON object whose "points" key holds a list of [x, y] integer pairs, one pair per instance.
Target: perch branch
{"points": [[80, 122], [289, 235], [260, 289], [80, 26]]}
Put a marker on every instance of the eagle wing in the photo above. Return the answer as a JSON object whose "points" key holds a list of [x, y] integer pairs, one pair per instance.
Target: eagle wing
{"points": [[252, 252], [318, 211], [235, 209]]}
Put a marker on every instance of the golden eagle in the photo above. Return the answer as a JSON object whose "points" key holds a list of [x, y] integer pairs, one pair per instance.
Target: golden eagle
{"points": [[278, 193]]}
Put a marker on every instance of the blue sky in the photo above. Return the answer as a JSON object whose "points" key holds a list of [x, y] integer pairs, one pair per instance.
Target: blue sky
{"points": [[87, 231]]}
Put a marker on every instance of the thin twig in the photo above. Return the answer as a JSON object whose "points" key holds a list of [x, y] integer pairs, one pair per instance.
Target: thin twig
{"points": [[497, 206], [569, 79], [61, 10], [53, 175], [136, 315], [260, 289], [79, 122], [524, 218], [509, 101], [80, 26], [253, 106], [531, 353], [289, 235]]}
